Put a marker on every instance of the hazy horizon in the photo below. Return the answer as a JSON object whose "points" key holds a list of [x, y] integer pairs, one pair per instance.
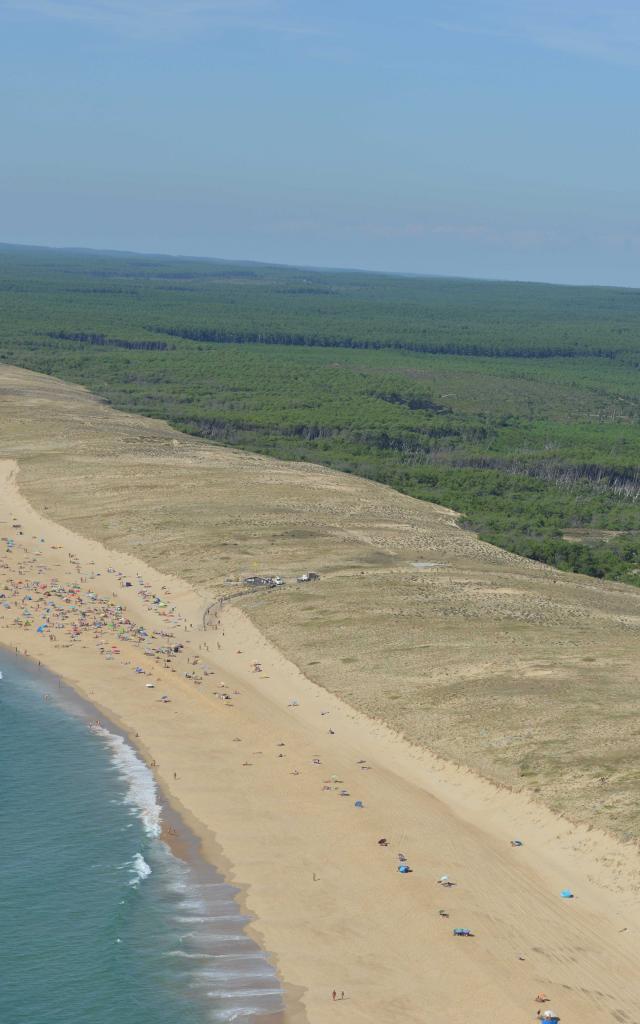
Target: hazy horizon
{"points": [[312, 268], [489, 141]]}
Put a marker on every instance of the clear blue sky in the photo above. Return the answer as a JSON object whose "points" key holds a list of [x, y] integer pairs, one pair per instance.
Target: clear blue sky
{"points": [[492, 138]]}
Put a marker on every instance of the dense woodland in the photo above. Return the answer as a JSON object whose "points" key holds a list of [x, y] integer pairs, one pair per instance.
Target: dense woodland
{"points": [[515, 404]]}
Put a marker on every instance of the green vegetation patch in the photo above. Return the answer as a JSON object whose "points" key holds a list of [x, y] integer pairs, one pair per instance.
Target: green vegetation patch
{"points": [[515, 404]]}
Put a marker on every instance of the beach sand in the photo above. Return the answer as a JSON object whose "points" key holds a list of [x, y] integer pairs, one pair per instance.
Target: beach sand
{"points": [[524, 674], [329, 904]]}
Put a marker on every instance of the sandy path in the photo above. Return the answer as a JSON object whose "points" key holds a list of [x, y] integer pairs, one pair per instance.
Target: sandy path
{"points": [[360, 927]]}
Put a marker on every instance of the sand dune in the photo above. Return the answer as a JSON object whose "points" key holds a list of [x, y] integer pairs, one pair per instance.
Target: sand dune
{"points": [[527, 675], [481, 658]]}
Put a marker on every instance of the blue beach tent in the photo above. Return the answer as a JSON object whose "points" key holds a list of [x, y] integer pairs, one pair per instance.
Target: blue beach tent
{"points": [[567, 894]]}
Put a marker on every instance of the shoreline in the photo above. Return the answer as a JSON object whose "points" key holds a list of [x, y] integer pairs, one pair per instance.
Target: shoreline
{"points": [[204, 836], [189, 841], [175, 835], [444, 815], [183, 842]]}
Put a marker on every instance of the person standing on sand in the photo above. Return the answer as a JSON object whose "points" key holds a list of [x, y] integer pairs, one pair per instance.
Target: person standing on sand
{"points": [[334, 995]]}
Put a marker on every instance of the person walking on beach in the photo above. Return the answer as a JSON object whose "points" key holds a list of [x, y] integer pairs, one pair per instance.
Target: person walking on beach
{"points": [[334, 995]]}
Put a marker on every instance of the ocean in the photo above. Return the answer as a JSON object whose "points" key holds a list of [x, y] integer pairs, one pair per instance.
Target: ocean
{"points": [[100, 923]]}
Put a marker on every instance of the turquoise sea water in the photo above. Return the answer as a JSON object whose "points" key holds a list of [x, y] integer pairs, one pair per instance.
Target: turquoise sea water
{"points": [[99, 922]]}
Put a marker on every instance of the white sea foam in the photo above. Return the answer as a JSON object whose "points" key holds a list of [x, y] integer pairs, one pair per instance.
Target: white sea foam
{"points": [[206, 908], [231, 1015], [245, 993], [215, 956], [140, 868], [190, 956], [141, 791], [240, 956], [192, 903], [230, 976], [205, 919]]}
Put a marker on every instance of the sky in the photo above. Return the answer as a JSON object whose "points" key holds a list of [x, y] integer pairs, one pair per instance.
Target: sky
{"points": [[483, 138]]}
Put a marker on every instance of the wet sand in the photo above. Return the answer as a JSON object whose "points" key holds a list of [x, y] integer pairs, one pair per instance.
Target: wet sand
{"points": [[227, 974], [329, 903]]}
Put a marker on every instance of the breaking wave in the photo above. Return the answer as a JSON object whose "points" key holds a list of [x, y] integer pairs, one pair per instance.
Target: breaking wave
{"points": [[141, 786], [140, 869]]}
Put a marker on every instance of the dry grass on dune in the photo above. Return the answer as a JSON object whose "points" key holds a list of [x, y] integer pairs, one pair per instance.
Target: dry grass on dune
{"points": [[525, 674]]}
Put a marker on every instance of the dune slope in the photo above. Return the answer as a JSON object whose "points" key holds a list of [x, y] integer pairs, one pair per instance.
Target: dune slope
{"points": [[527, 675], [271, 779]]}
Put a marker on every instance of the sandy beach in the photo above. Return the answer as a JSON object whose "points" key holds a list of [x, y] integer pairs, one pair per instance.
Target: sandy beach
{"points": [[269, 770], [493, 662]]}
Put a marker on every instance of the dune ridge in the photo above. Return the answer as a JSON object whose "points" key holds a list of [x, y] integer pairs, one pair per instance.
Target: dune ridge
{"points": [[93, 490], [525, 674]]}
